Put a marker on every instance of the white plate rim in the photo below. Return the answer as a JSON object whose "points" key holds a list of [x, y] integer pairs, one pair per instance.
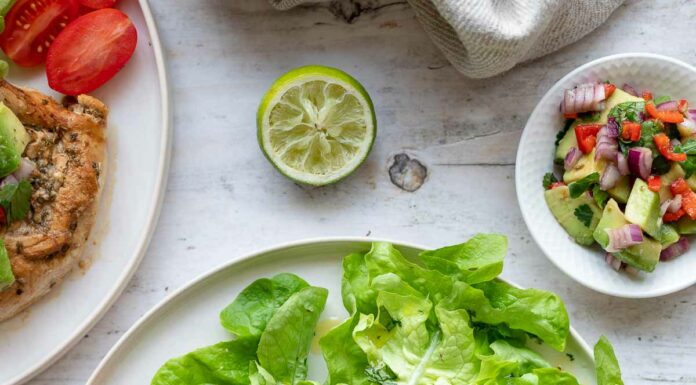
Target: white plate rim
{"points": [[523, 138], [248, 257], [152, 217]]}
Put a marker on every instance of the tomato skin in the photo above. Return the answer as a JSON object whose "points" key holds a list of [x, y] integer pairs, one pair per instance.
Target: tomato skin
{"points": [[90, 51], [98, 4], [31, 26]]}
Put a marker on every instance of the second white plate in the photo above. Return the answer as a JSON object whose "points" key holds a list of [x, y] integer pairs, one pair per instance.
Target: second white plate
{"points": [[189, 319]]}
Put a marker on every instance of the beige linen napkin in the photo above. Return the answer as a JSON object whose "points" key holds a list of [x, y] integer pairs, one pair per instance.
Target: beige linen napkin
{"points": [[483, 38]]}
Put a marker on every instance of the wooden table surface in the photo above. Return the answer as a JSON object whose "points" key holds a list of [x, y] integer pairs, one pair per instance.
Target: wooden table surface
{"points": [[224, 199]]}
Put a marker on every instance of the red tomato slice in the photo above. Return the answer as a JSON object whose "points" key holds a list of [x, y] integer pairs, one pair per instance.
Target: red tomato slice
{"points": [[32, 25], [90, 51], [98, 4]]}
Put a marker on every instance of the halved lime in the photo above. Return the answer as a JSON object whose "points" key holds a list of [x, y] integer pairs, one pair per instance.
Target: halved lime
{"points": [[316, 124]]}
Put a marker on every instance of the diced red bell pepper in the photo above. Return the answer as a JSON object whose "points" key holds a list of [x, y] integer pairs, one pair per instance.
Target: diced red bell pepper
{"points": [[665, 148], [682, 106], [680, 186], [654, 183], [665, 116], [609, 89], [630, 131], [673, 217], [586, 135], [647, 95], [556, 184]]}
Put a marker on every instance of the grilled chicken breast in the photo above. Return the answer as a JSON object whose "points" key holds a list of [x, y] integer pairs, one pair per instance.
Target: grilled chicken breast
{"points": [[68, 146]]}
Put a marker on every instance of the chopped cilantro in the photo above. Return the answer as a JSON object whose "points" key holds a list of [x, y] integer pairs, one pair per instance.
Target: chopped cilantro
{"points": [[688, 147], [627, 111], [580, 186], [14, 198], [584, 214], [549, 179], [600, 196]]}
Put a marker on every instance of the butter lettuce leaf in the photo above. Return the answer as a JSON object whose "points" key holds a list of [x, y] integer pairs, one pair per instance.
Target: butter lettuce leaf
{"points": [[480, 259], [347, 363], [225, 363], [248, 314], [606, 365], [284, 344], [356, 292]]}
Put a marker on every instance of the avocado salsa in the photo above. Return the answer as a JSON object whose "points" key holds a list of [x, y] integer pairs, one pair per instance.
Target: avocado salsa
{"points": [[624, 174]]}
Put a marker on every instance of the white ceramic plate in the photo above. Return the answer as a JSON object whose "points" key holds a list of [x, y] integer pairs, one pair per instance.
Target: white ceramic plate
{"points": [[663, 76], [189, 319], [138, 151]]}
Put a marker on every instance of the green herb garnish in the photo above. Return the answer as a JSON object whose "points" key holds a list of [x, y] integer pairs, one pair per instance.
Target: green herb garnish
{"points": [[578, 187], [584, 214], [600, 196], [15, 199], [549, 179], [627, 111]]}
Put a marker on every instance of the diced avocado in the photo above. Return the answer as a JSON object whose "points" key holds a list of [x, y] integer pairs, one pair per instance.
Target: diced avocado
{"points": [[621, 190], [618, 97], [13, 140], [643, 208], [585, 166], [643, 256], [675, 172], [686, 225], [563, 207], [669, 235], [569, 140], [6, 276], [691, 181]]}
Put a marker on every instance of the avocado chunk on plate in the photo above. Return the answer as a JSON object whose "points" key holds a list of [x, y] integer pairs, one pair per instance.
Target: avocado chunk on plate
{"points": [[643, 256], [13, 140], [669, 235], [675, 172], [563, 208], [7, 278], [686, 225], [643, 208], [569, 140]]}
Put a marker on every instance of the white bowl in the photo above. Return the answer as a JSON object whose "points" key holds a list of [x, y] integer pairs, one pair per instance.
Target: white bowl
{"points": [[663, 76]]}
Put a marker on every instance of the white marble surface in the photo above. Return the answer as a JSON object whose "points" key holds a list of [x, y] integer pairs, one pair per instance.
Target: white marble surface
{"points": [[224, 199]]}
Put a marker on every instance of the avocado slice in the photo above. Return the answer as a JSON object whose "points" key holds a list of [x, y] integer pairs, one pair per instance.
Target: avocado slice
{"points": [[643, 208], [563, 208], [569, 140], [669, 235], [686, 225], [585, 166], [13, 140], [618, 97], [6, 276], [644, 256], [621, 190], [675, 172]]}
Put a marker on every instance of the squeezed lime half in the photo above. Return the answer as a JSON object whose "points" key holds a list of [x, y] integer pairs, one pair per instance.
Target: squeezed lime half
{"points": [[316, 125]]}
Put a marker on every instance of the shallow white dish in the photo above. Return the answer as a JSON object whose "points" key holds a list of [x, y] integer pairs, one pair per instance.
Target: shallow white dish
{"points": [[138, 153], [189, 317], [662, 75]]}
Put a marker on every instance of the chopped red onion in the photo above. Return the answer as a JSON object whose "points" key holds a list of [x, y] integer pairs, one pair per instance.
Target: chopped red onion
{"points": [[675, 203], [572, 158], [612, 127], [623, 237], [629, 90], [607, 147], [26, 167], [675, 250], [10, 179], [691, 114], [640, 161], [668, 106], [609, 177], [622, 164], [583, 98], [674, 142], [613, 262]]}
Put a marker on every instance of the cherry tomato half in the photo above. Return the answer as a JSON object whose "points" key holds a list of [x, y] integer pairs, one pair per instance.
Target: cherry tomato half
{"points": [[98, 4], [32, 25], [90, 51]]}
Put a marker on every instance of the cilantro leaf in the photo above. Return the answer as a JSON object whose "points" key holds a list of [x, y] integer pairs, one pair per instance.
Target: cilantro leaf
{"points": [[15, 199], [688, 147], [549, 179], [627, 111], [600, 196], [580, 186], [584, 214]]}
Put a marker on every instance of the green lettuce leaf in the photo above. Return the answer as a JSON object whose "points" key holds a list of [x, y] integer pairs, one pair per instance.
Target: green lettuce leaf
{"points": [[356, 292], [606, 365], [478, 260], [345, 360], [225, 363], [248, 314], [284, 344], [526, 359], [538, 312], [553, 376], [416, 353]]}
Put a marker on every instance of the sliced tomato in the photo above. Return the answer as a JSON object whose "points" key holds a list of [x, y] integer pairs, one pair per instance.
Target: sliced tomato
{"points": [[98, 4], [32, 25], [90, 51]]}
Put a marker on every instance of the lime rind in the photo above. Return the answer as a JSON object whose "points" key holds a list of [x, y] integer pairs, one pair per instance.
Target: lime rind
{"points": [[316, 125]]}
